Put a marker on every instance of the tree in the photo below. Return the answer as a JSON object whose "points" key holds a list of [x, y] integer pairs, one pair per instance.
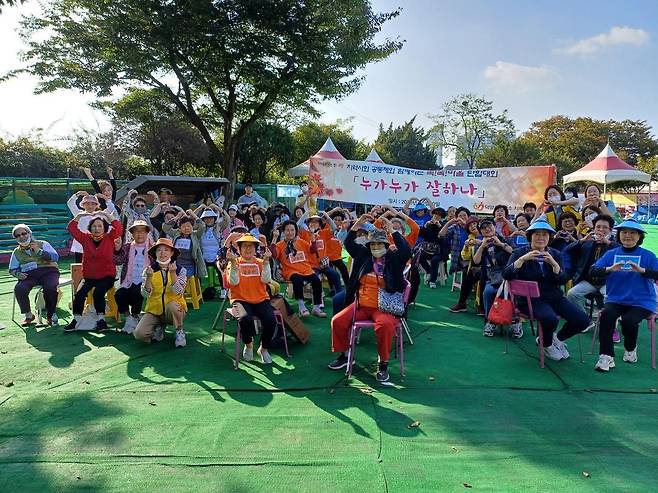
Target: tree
{"points": [[468, 125], [511, 152], [225, 64], [309, 138], [29, 156], [265, 151], [405, 145]]}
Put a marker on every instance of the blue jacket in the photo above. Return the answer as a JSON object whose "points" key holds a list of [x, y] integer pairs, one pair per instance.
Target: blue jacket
{"points": [[628, 287], [542, 273], [576, 256]]}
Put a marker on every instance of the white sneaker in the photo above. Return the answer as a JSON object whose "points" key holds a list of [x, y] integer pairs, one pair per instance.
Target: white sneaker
{"points": [[129, 326], [180, 338], [222, 294], [517, 330], [561, 346], [265, 356], [553, 353], [158, 335], [604, 363], [432, 285], [591, 325], [630, 356], [489, 330], [248, 353]]}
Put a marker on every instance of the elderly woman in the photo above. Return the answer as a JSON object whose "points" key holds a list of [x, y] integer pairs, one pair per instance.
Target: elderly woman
{"points": [[542, 264], [34, 263], [81, 202], [471, 272], [98, 268], [555, 203], [134, 208], [375, 267], [630, 272], [567, 233], [188, 242], [164, 287], [248, 277]]}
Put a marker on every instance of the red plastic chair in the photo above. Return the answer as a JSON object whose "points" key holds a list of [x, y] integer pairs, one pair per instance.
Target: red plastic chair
{"points": [[357, 325]]}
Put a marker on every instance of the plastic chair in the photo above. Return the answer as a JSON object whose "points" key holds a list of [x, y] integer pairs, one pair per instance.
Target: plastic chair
{"points": [[193, 292], [358, 325], [228, 315], [530, 290], [111, 310], [651, 325], [457, 285]]}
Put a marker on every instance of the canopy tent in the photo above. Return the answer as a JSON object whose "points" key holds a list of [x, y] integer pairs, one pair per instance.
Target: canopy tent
{"points": [[186, 188], [328, 151], [373, 157]]}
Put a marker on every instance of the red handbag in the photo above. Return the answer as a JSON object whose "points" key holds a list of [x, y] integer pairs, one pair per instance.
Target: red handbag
{"points": [[502, 310]]}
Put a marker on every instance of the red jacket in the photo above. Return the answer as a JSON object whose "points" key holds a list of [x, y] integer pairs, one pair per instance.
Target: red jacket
{"points": [[97, 261]]}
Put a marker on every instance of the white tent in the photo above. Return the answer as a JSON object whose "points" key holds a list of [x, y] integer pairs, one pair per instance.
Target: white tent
{"points": [[373, 157], [328, 151]]}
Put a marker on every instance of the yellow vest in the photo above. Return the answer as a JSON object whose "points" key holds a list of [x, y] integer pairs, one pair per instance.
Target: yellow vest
{"points": [[162, 294]]}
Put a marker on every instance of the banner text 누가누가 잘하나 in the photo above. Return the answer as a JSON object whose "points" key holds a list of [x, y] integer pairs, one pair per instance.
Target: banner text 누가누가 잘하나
{"points": [[480, 190]]}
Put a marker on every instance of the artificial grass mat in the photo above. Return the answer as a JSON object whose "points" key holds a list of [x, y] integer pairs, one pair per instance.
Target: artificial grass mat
{"points": [[102, 412]]}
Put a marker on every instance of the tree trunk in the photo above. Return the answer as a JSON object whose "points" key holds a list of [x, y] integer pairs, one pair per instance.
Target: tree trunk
{"points": [[229, 165]]}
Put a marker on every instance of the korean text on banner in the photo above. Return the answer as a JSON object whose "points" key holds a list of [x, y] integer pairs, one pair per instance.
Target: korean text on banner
{"points": [[478, 189]]}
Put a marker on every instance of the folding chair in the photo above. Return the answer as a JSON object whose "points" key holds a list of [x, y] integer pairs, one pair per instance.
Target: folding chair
{"points": [[358, 325], [455, 283], [228, 315], [530, 290]]}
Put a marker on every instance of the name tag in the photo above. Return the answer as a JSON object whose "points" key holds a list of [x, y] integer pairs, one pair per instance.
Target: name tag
{"points": [[299, 257], [249, 270], [28, 267], [183, 243], [319, 244]]}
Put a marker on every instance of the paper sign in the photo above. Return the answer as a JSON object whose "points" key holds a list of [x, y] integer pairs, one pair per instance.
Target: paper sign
{"points": [[249, 270], [319, 244], [626, 259], [183, 243], [299, 257]]}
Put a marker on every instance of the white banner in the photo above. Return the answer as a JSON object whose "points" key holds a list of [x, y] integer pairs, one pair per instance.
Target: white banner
{"points": [[478, 189]]}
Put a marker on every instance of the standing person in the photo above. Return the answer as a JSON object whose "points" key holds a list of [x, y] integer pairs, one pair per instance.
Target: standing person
{"points": [[293, 254], [164, 287], [248, 277], [133, 257], [555, 203], [376, 267], [34, 263], [305, 200], [108, 190], [630, 272], [432, 251], [81, 202], [134, 208], [98, 269], [188, 244], [542, 264], [456, 235], [250, 196]]}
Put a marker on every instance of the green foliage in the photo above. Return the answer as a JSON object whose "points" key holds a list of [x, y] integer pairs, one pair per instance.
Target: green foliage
{"points": [[27, 157], [405, 145], [511, 152], [309, 138], [223, 64], [468, 125], [264, 153]]}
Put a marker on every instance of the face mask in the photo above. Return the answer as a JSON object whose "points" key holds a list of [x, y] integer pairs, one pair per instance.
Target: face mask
{"points": [[140, 209], [164, 263], [568, 195], [304, 188], [24, 241], [378, 252], [361, 240]]}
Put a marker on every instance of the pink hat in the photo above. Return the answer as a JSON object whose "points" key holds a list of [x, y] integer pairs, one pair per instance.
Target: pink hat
{"points": [[89, 199]]}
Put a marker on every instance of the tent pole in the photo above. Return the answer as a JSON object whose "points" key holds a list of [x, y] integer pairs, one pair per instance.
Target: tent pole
{"points": [[604, 190]]}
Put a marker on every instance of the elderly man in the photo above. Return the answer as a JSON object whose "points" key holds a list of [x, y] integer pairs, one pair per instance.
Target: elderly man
{"points": [[34, 263], [251, 197]]}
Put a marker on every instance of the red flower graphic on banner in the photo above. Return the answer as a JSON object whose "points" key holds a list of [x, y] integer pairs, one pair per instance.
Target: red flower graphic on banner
{"points": [[339, 191]]}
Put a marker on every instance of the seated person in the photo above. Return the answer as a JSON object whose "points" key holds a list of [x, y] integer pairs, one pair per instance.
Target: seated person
{"points": [[472, 272], [98, 269], [518, 237], [456, 235], [504, 227], [293, 254], [567, 233], [164, 287], [248, 278], [133, 259], [630, 273], [34, 263], [375, 267], [318, 231], [542, 264]]}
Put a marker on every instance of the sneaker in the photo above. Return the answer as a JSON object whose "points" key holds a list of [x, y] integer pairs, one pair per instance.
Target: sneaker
{"points": [[248, 353], [432, 285], [459, 307], [52, 320], [264, 356], [222, 294], [554, 353], [604, 363], [101, 326], [591, 325], [180, 338], [616, 336], [158, 335], [71, 326], [427, 279], [489, 330], [129, 326], [338, 363], [517, 330], [480, 311], [630, 356], [319, 313], [382, 375], [561, 346], [28, 320]]}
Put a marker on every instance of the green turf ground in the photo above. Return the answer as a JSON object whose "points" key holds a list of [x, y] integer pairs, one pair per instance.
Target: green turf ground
{"points": [[104, 413]]}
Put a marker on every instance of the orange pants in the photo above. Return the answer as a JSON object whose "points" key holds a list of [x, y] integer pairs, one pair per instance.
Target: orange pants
{"points": [[385, 325]]}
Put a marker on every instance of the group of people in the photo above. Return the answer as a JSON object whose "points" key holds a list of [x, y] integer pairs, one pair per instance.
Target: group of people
{"points": [[570, 246]]}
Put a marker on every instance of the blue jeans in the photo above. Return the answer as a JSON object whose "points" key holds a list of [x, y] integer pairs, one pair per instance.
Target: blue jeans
{"points": [[338, 302], [489, 296], [335, 286], [549, 312]]}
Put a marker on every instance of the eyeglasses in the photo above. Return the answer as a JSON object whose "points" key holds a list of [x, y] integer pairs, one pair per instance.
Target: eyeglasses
{"points": [[21, 234]]}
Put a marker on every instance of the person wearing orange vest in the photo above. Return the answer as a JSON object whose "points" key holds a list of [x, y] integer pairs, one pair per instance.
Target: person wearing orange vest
{"points": [[293, 254], [318, 231], [164, 286], [248, 277]]}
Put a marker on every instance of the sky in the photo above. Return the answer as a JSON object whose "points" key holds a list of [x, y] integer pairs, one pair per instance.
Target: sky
{"points": [[534, 58]]}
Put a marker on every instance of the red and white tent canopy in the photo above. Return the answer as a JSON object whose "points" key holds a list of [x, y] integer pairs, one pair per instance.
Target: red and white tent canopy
{"points": [[607, 168], [373, 157], [327, 151]]}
